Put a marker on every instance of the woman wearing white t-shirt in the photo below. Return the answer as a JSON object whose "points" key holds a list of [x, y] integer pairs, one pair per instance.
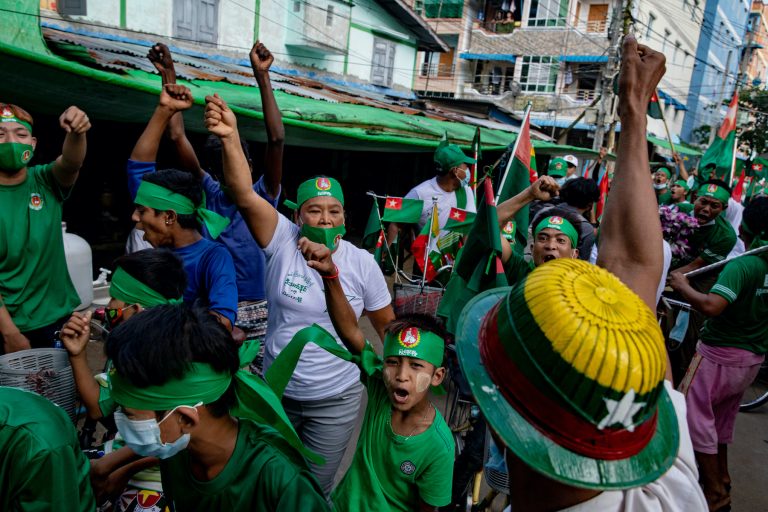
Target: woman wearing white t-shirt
{"points": [[323, 396]]}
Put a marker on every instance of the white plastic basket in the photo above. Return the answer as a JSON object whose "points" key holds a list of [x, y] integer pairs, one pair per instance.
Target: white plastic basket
{"points": [[45, 371]]}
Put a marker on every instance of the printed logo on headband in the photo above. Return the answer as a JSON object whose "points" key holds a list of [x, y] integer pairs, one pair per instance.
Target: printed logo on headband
{"points": [[35, 201], [556, 221], [410, 337], [509, 228], [712, 188], [6, 112], [323, 184]]}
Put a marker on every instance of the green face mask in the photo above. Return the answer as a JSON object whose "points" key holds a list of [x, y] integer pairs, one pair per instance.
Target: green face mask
{"points": [[329, 237], [14, 156]]}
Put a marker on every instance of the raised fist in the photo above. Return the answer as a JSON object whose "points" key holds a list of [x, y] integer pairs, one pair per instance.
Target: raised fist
{"points": [[74, 120]]}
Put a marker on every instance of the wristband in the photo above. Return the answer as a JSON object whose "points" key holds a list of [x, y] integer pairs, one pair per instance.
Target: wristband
{"points": [[335, 275]]}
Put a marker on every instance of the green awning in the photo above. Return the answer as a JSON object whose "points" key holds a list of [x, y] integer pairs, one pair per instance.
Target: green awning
{"points": [[682, 148], [48, 83]]}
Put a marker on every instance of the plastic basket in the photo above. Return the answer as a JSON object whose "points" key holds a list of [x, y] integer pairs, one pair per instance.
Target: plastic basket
{"points": [[412, 298], [45, 371]]}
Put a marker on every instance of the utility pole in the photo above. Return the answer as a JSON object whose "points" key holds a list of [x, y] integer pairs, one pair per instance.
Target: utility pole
{"points": [[606, 105]]}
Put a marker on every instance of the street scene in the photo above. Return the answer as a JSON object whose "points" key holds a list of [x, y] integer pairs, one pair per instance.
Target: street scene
{"points": [[384, 255]]}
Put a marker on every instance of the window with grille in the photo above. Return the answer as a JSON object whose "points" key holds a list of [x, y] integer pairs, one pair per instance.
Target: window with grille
{"points": [[539, 74], [548, 13], [443, 8]]}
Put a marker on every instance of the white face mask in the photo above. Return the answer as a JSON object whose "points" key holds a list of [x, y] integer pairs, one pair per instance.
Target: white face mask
{"points": [[659, 186], [560, 181], [143, 436]]}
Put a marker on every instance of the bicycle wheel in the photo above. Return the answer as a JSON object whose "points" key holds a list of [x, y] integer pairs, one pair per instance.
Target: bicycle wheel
{"points": [[757, 393]]}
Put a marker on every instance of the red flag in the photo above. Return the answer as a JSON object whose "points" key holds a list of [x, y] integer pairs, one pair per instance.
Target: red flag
{"points": [[458, 215], [738, 191], [603, 195], [729, 123], [524, 149]]}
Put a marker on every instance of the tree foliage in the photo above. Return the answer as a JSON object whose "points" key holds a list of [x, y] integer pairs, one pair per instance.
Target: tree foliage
{"points": [[754, 132]]}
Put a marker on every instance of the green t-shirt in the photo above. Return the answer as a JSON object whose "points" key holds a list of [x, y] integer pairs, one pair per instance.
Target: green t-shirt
{"points": [[665, 197], [264, 474], [42, 467], [34, 280], [517, 268], [744, 321], [390, 472], [711, 242]]}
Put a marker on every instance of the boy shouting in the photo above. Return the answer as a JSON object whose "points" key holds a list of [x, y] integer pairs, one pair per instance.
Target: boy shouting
{"points": [[404, 457]]}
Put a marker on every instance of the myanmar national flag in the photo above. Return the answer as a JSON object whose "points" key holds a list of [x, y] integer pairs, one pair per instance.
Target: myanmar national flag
{"points": [[425, 247], [398, 209], [520, 172], [459, 221], [720, 152], [654, 108], [479, 265]]}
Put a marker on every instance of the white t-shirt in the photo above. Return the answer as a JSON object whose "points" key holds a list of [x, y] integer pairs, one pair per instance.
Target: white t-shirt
{"points": [[445, 200], [677, 490], [297, 299]]}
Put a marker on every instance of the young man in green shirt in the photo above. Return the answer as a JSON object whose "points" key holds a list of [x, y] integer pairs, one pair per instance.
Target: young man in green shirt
{"points": [[661, 179], [184, 400], [679, 192], [731, 350], [41, 464], [404, 456], [36, 293], [714, 238]]}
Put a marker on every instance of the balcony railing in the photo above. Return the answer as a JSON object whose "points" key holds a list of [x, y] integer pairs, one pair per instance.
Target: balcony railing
{"points": [[597, 26], [437, 70], [585, 95]]}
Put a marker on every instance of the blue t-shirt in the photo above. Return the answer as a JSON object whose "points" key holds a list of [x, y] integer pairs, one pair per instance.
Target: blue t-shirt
{"points": [[210, 277], [208, 265], [246, 254]]}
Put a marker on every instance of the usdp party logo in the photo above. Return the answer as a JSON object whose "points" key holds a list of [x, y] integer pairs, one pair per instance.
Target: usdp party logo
{"points": [[556, 220], [26, 156], [712, 188], [35, 201], [509, 228], [410, 337], [6, 111], [323, 184]]}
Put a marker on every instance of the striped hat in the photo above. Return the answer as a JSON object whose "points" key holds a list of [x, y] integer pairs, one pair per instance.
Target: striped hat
{"points": [[568, 368]]}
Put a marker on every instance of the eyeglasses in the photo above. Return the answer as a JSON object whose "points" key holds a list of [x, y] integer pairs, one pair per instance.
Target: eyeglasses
{"points": [[114, 316]]}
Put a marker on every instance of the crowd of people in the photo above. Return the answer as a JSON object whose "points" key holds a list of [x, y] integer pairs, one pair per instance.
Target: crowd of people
{"points": [[236, 363]]}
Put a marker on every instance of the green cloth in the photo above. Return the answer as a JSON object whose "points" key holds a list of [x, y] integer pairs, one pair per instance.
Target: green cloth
{"points": [[665, 197], [160, 198], [744, 322], [665, 171], [317, 187], [558, 168], [517, 268], [712, 242], [415, 343], [683, 184], [34, 280], [42, 467], [720, 155], [255, 400], [7, 116], [130, 290], [447, 156], [390, 472], [560, 224], [373, 227], [264, 474]]}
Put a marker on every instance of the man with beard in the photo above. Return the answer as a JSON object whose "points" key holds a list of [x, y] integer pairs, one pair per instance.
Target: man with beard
{"points": [[36, 293]]}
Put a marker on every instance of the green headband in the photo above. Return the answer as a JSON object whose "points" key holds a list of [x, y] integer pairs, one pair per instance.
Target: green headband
{"points": [[560, 224], [316, 187], [7, 116], [160, 198], [683, 184], [714, 191], [665, 171], [415, 343], [254, 398], [130, 290]]}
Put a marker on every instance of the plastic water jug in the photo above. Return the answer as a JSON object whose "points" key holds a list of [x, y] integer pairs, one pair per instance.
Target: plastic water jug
{"points": [[80, 266]]}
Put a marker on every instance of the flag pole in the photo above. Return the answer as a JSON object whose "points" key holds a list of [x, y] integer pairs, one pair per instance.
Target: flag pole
{"points": [[666, 128], [429, 241], [376, 197], [514, 149], [733, 159]]}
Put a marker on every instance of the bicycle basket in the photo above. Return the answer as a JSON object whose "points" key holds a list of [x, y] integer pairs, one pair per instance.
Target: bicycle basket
{"points": [[412, 298], [45, 371]]}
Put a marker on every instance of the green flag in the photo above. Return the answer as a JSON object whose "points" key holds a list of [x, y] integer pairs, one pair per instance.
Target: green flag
{"points": [[459, 221], [720, 153], [372, 227], [478, 267], [398, 209]]}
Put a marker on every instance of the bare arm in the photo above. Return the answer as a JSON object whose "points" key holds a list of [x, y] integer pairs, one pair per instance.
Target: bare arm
{"points": [[67, 166], [160, 56], [630, 244], [342, 315], [261, 60], [680, 166], [173, 99], [13, 340], [694, 265], [75, 335], [711, 304], [258, 214], [380, 319], [543, 189]]}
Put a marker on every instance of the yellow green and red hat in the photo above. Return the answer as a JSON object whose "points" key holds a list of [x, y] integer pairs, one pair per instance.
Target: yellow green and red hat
{"points": [[568, 368]]}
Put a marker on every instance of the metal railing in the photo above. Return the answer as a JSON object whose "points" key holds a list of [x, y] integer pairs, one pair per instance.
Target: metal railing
{"points": [[436, 70]]}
